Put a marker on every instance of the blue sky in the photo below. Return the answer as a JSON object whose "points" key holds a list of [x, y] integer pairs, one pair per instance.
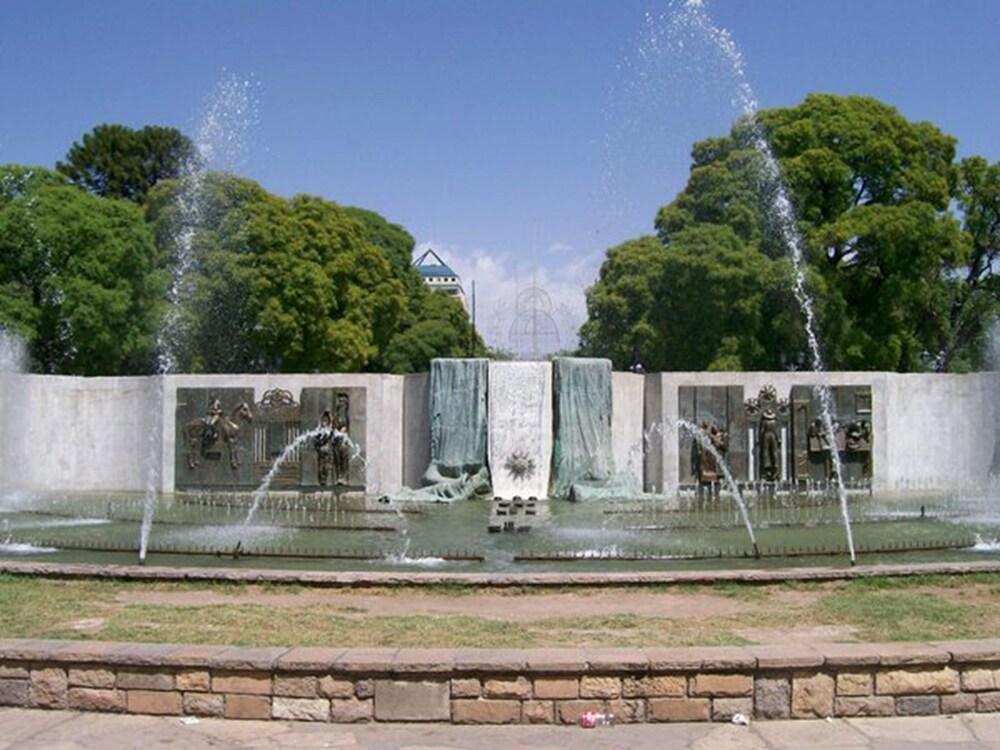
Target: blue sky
{"points": [[519, 137]]}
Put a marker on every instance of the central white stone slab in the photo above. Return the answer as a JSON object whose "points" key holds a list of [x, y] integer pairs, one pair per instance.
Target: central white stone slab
{"points": [[520, 428]]}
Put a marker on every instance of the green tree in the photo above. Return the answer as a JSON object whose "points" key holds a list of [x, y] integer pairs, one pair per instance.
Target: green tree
{"points": [[114, 161], [975, 291], [393, 239], [296, 285], [78, 276], [432, 324], [622, 305], [435, 325], [899, 247]]}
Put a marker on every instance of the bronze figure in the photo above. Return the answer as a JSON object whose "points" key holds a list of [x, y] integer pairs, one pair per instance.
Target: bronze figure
{"points": [[770, 446], [333, 443], [204, 433], [705, 463]]}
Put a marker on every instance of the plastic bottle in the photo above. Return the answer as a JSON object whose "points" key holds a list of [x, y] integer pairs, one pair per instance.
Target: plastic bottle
{"points": [[592, 719]]}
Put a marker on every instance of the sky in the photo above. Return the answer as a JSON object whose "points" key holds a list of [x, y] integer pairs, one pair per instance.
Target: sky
{"points": [[519, 138]]}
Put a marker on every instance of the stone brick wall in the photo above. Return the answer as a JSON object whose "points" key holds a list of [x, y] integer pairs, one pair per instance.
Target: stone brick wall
{"points": [[545, 686]]}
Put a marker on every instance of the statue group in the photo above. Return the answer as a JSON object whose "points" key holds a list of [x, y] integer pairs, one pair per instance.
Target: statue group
{"points": [[227, 423], [775, 440], [333, 444]]}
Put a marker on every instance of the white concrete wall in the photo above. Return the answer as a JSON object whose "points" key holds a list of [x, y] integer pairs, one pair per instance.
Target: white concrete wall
{"points": [[69, 433], [941, 429], [72, 433], [627, 424], [930, 431]]}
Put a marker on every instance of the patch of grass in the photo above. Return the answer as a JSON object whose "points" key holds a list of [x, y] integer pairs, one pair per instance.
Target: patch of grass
{"points": [[251, 625], [919, 608], [882, 583], [740, 591], [892, 615]]}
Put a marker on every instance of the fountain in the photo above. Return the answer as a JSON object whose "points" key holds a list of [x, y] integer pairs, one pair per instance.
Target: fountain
{"points": [[222, 133], [664, 468], [705, 441], [779, 207]]}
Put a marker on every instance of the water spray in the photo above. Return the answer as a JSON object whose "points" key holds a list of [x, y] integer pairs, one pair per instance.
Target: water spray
{"points": [[694, 16], [222, 138], [706, 442]]}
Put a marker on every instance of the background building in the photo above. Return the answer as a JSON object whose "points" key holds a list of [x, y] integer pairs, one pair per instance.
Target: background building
{"points": [[438, 275]]}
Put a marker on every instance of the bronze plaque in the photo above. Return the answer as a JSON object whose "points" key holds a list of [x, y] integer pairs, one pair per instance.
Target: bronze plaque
{"points": [[277, 424], [214, 438], [335, 458], [767, 414], [852, 438], [718, 409]]}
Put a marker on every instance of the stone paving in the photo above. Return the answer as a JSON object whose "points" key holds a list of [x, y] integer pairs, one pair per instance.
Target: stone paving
{"points": [[26, 729]]}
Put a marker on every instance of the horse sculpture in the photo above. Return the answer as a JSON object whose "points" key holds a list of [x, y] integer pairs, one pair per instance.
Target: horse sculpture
{"points": [[204, 432]]}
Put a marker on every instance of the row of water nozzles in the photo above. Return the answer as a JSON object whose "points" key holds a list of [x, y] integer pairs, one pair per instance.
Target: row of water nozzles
{"points": [[517, 504]]}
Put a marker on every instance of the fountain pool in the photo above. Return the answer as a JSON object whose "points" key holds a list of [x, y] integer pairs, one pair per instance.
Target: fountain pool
{"points": [[326, 532]]}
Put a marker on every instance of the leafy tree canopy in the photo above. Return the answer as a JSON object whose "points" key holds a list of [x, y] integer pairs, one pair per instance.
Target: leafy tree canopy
{"points": [[433, 325], [900, 243], [114, 161], [78, 276], [297, 285]]}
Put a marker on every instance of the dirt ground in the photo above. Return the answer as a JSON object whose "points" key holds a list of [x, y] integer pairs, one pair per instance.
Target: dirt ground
{"points": [[486, 605], [659, 605], [928, 608]]}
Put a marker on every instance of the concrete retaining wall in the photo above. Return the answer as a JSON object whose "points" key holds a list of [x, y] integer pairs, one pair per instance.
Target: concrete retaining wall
{"points": [[489, 686], [85, 434], [932, 432], [70, 433], [67, 433], [627, 417], [940, 429]]}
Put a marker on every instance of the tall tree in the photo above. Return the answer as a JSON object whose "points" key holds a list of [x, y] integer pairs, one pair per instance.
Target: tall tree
{"points": [[295, 285], [434, 325], [114, 161], [78, 276], [899, 245]]}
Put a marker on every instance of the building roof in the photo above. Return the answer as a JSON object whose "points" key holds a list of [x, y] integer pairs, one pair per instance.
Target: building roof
{"points": [[430, 265]]}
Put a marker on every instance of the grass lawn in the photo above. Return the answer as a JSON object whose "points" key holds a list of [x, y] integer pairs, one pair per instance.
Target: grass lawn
{"points": [[875, 609]]}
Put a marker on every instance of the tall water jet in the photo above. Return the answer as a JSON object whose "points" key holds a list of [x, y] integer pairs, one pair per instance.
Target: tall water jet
{"points": [[13, 361], [694, 17], [582, 457], [13, 353], [284, 457], [221, 140]]}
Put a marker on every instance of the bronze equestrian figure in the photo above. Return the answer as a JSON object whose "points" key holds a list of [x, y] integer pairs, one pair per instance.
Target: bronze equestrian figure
{"points": [[204, 432]]}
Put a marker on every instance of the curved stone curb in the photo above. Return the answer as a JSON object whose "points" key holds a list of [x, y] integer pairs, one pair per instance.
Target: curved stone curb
{"points": [[483, 686], [361, 579]]}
